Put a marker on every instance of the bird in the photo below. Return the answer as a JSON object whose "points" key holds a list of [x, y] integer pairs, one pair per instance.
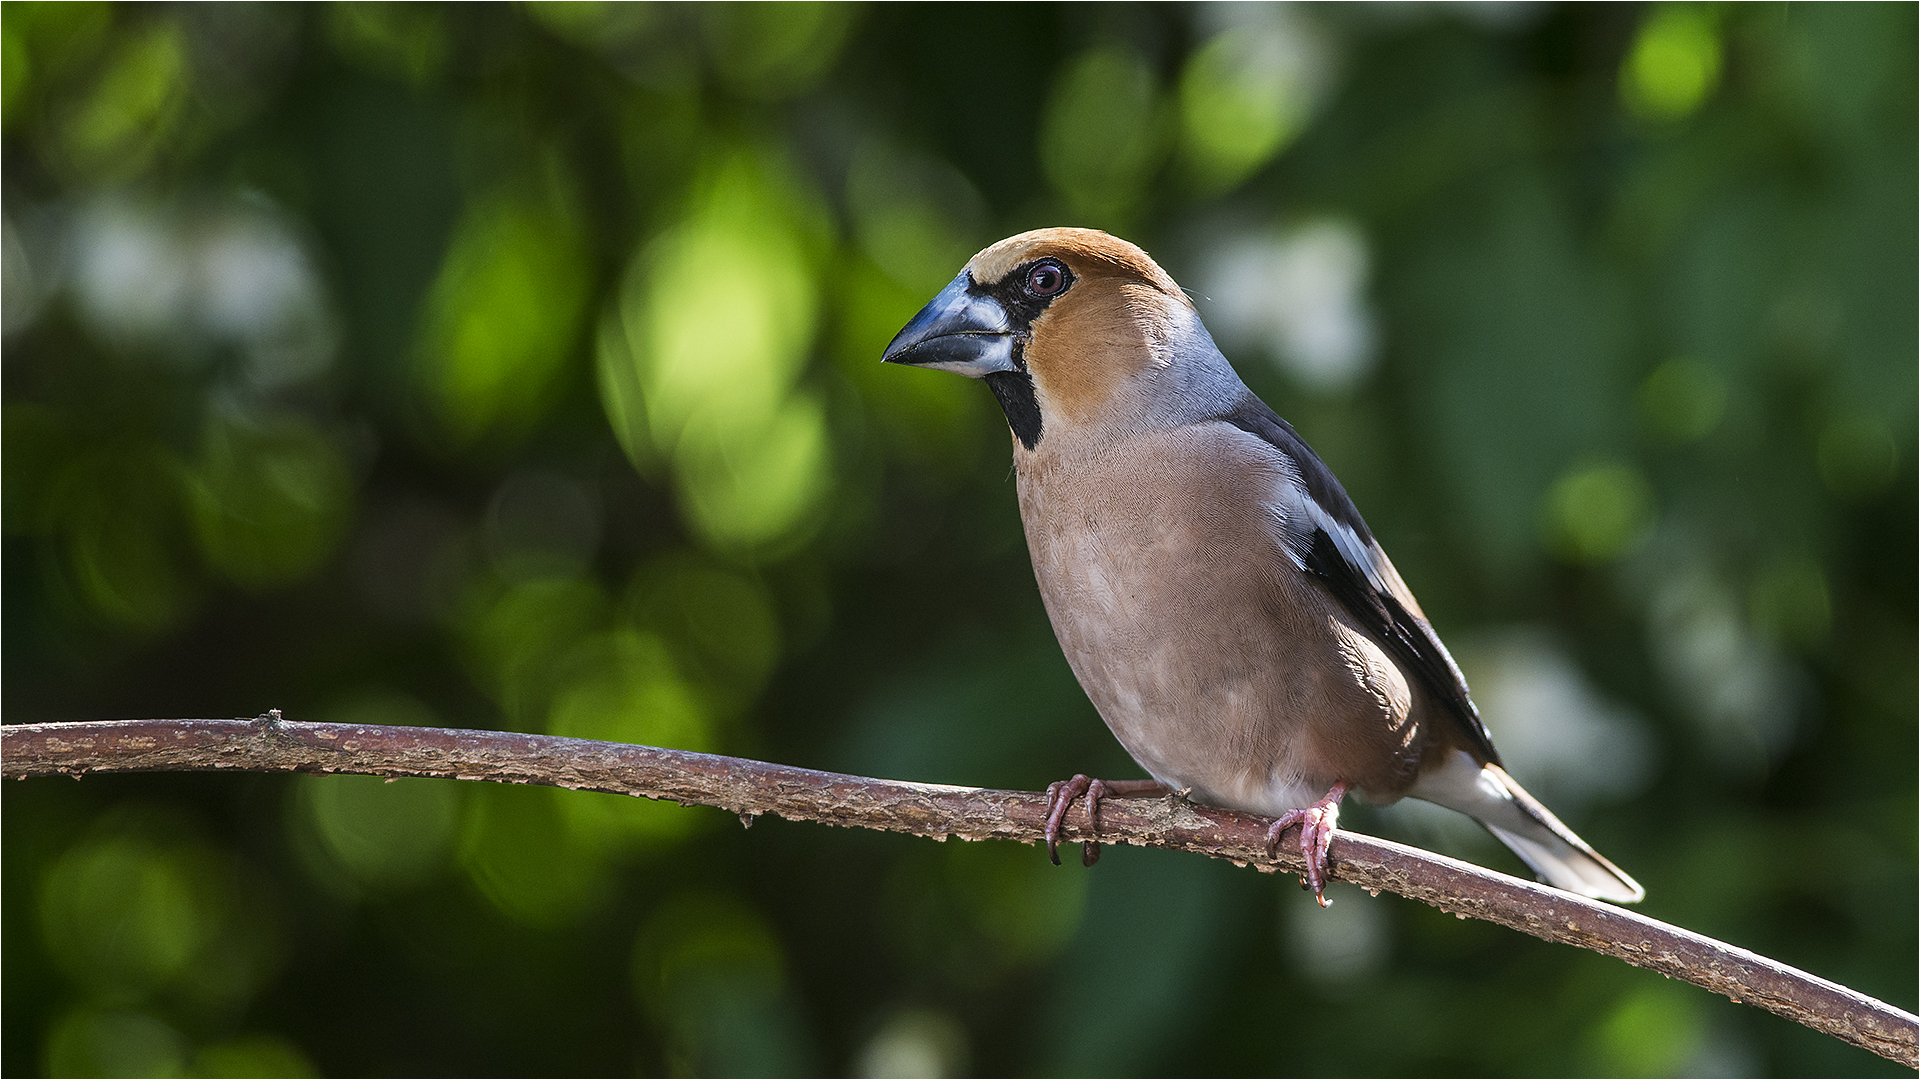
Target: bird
{"points": [[1216, 592]]}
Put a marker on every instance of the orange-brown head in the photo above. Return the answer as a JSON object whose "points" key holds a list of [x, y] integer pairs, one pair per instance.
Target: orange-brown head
{"points": [[1072, 328]]}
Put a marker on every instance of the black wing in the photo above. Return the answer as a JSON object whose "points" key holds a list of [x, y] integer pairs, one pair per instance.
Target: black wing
{"points": [[1350, 572]]}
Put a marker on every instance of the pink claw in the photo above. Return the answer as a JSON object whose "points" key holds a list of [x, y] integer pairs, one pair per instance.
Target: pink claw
{"points": [[1317, 823], [1060, 796]]}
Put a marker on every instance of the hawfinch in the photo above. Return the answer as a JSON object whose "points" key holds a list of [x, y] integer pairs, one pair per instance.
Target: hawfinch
{"points": [[1217, 595]]}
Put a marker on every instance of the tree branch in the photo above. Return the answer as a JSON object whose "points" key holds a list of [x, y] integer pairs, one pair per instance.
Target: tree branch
{"points": [[749, 788]]}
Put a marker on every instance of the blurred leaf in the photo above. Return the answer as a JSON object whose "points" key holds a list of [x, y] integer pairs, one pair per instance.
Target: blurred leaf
{"points": [[1857, 456], [718, 319], [721, 624], [773, 50], [1674, 65], [710, 972], [1652, 1032], [1792, 603], [517, 849], [136, 909], [504, 314], [407, 41], [271, 498], [1244, 96], [87, 1042], [1103, 134], [253, 1055], [119, 517], [1595, 512], [386, 834], [131, 112], [518, 638], [1683, 400]]}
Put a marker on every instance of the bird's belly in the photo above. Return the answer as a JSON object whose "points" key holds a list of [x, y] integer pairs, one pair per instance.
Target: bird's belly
{"points": [[1177, 668]]}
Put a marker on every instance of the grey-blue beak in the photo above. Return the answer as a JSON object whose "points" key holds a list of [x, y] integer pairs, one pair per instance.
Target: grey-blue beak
{"points": [[957, 331]]}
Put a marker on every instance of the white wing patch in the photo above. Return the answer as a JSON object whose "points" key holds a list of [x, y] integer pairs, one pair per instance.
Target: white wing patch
{"points": [[1300, 516]]}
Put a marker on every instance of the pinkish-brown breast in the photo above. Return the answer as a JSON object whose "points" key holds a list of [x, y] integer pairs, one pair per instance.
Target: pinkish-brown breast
{"points": [[1213, 659]]}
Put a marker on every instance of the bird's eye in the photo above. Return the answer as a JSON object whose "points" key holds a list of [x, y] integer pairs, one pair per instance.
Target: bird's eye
{"points": [[1046, 278]]}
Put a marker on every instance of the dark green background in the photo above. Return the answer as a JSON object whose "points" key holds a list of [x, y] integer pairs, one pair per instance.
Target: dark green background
{"points": [[516, 367]]}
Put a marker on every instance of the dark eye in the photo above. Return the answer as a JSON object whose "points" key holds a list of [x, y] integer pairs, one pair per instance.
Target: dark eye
{"points": [[1046, 278]]}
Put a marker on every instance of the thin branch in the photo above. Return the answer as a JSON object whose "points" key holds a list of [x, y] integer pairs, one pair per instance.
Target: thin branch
{"points": [[749, 788]]}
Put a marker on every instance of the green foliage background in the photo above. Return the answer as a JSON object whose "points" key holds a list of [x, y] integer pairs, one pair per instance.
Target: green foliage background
{"points": [[516, 366]]}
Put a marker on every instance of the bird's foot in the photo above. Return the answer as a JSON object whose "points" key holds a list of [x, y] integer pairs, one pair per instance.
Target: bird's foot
{"points": [[1316, 823], [1060, 796]]}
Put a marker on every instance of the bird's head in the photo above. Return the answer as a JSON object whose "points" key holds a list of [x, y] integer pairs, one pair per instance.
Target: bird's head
{"points": [[1073, 329]]}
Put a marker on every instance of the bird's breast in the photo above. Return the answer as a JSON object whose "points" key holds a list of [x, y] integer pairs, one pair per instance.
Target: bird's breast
{"points": [[1216, 661], [1161, 570]]}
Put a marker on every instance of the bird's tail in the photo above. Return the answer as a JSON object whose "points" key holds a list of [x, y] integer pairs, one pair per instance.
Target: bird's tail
{"points": [[1488, 795]]}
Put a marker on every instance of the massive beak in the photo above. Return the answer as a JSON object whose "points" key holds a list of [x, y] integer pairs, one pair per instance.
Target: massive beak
{"points": [[957, 331]]}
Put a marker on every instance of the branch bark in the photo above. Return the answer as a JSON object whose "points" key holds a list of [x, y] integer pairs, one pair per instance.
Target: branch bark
{"points": [[750, 788]]}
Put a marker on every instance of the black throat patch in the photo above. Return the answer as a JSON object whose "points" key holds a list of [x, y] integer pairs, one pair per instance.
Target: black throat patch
{"points": [[1015, 391]]}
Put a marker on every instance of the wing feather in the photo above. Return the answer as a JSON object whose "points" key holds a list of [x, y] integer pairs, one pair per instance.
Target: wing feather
{"points": [[1327, 538]]}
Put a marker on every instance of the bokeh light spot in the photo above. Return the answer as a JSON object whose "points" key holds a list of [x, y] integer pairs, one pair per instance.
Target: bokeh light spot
{"points": [[16, 70], [504, 314], [1674, 64], [1594, 513], [518, 638], [773, 50], [385, 834], [1683, 400], [1103, 133], [1300, 297], [140, 908], [1857, 456], [522, 857], [599, 24], [712, 974], [916, 1042], [1015, 901], [118, 511], [123, 914], [1339, 944], [89, 1042], [1791, 602], [627, 691], [119, 128], [718, 320], [721, 622], [404, 41], [1651, 1032], [271, 498], [918, 218], [253, 1055], [1245, 95]]}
